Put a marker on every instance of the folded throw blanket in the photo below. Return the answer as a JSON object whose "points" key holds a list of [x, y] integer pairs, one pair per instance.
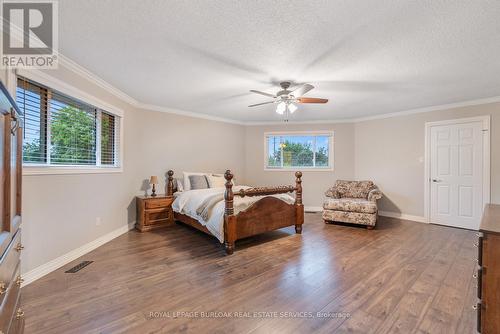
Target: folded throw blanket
{"points": [[206, 207]]}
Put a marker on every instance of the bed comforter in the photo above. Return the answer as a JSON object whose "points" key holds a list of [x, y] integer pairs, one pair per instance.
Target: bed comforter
{"points": [[207, 206]]}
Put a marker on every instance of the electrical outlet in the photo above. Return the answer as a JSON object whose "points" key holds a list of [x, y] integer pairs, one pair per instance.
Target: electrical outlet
{"points": [[98, 221]]}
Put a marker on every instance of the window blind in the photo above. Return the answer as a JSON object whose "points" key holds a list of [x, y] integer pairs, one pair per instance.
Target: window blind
{"points": [[61, 130], [32, 100], [109, 138], [72, 131]]}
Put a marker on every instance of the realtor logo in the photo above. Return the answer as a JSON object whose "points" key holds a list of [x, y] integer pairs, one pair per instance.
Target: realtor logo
{"points": [[29, 34]]}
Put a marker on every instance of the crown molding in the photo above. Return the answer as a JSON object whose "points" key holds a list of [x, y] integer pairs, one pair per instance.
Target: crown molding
{"points": [[92, 77], [468, 103], [494, 99], [152, 107], [48, 80]]}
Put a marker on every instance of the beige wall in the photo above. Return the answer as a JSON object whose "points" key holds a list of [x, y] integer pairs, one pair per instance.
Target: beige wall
{"points": [[60, 211], [314, 182], [391, 152], [166, 141]]}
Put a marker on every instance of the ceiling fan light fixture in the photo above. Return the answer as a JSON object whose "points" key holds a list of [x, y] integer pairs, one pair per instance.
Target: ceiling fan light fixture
{"points": [[280, 109], [287, 100]]}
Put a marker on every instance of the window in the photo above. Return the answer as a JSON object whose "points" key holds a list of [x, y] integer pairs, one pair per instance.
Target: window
{"points": [[63, 131], [299, 150]]}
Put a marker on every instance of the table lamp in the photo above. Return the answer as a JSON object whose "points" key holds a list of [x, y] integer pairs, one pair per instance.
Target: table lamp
{"points": [[153, 181]]}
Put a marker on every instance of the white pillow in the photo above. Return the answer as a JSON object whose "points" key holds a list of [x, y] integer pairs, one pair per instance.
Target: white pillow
{"points": [[222, 176], [216, 181], [180, 185], [187, 183]]}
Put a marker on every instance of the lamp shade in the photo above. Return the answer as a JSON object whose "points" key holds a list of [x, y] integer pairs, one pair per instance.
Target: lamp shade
{"points": [[153, 179]]}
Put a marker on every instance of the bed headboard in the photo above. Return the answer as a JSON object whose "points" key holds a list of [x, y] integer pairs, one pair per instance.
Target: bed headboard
{"points": [[258, 191]]}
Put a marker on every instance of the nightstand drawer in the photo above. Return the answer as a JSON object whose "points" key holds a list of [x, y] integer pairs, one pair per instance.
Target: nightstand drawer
{"points": [[154, 212], [158, 203], [158, 216]]}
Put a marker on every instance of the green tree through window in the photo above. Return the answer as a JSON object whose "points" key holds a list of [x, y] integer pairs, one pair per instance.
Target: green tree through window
{"points": [[73, 137], [289, 151]]}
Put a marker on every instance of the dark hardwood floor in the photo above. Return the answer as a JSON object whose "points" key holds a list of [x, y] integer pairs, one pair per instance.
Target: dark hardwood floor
{"points": [[403, 277]]}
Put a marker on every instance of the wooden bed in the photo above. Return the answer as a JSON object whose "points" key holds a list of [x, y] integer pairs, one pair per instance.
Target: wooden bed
{"points": [[267, 214]]}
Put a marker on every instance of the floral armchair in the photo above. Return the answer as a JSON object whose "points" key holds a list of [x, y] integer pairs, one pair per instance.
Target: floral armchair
{"points": [[352, 202]]}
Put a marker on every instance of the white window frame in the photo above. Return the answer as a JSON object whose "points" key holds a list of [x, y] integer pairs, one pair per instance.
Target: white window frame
{"points": [[331, 151], [73, 92]]}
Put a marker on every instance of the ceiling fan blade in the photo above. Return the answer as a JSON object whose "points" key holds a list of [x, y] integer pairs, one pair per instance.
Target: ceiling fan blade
{"points": [[302, 90], [311, 100], [262, 93], [259, 104]]}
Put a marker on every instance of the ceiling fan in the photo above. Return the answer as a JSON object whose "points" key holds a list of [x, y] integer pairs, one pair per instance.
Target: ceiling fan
{"points": [[286, 99]]}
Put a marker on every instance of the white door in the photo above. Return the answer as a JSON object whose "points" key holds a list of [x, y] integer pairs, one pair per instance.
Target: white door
{"points": [[456, 174]]}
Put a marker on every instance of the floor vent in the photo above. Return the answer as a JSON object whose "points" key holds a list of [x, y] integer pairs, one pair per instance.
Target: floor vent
{"points": [[78, 267]]}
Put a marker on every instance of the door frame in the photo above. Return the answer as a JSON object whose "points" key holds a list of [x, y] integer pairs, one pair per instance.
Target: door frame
{"points": [[486, 120]]}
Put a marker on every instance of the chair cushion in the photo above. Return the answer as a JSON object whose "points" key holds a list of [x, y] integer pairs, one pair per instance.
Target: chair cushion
{"points": [[350, 217], [354, 189], [350, 205]]}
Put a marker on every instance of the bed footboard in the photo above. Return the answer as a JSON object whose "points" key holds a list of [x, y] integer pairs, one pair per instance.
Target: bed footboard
{"points": [[267, 214]]}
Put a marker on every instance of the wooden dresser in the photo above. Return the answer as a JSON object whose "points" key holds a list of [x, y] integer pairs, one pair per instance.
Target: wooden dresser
{"points": [[488, 274], [11, 134], [154, 212]]}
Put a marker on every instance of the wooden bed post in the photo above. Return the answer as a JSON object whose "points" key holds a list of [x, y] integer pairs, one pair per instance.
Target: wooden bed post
{"points": [[170, 184], [298, 203], [229, 217]]}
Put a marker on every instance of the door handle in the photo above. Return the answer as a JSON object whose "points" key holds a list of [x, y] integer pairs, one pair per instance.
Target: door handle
{"points": [[436, 180]]}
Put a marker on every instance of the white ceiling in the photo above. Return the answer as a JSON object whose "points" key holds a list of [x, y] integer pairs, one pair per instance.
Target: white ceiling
{"points": [[369, 57]]}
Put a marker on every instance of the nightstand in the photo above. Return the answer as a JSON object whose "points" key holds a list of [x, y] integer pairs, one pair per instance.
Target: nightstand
{"points": [[154, 212]]}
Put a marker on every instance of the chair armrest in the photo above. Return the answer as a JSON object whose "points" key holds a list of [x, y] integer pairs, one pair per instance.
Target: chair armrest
{"points": [[374, 194], [332, 192]]}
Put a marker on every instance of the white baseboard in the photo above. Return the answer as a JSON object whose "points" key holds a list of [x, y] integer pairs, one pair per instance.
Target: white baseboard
{"points": [[418, 219], [313, 208], [62, 260]]}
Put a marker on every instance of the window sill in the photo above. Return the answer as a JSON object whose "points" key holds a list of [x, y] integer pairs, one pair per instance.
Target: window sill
{"points": [[62, 170], [302, 169]]}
